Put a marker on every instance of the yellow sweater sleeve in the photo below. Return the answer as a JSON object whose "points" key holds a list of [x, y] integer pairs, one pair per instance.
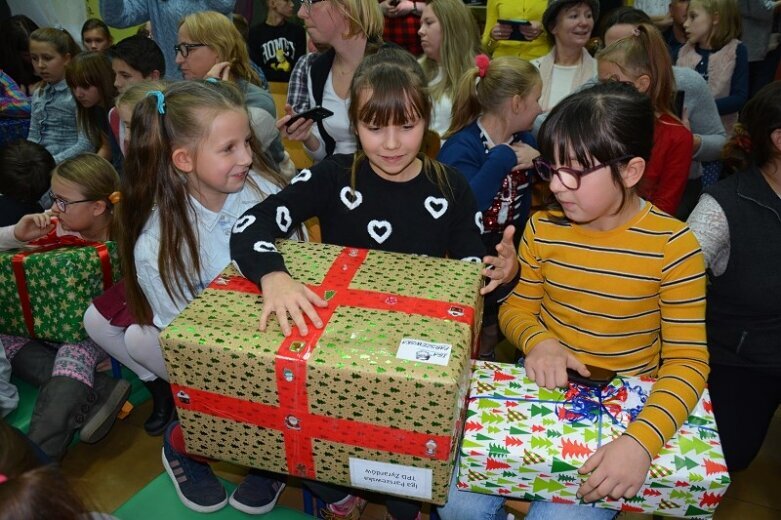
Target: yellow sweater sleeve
{"points": [[684, 355]]}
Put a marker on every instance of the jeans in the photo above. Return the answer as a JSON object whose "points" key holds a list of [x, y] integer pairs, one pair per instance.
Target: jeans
{"points": [[553, 511], [465, 505]]}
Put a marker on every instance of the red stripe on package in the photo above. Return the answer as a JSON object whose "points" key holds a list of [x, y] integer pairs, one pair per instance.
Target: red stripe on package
{"points": [[292, 416]]}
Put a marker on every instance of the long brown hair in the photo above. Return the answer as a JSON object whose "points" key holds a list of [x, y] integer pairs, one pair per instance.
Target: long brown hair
{"points": [[460, 44], [86, 70], [151, 179], [646, 53], [398, 95]]}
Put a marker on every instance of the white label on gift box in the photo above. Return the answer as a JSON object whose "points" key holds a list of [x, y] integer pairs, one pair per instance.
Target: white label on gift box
{"points": [[385, 477], [424, 351]]}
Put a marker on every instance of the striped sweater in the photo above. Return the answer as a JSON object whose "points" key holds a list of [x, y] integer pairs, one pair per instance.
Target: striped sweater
{"points": [[631, 299]]}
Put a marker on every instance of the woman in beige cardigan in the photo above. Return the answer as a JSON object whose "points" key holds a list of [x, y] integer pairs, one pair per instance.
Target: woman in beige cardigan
{"points": [[568, 65]]}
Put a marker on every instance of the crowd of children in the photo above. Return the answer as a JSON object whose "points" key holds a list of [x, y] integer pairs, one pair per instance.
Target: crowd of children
{"points": [[565, 177]]}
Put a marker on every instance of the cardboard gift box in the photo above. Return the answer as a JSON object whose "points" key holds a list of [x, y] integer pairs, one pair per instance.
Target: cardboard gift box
{"points": [[528, 442], [46, 288], [374, 400]]}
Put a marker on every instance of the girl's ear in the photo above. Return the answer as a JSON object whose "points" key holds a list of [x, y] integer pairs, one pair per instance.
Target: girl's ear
{"points": [[66, 58], [633, 172], [183, 160], [775, 138], [99, 207], [643, 83]]}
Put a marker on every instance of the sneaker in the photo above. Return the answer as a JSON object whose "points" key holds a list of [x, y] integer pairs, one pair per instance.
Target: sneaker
{"points": [[257, 494], [194, 481], [350, 508]]}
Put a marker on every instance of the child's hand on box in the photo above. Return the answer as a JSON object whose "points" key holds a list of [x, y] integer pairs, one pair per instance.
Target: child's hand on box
{"points": [[547, 363], [284, 296], [618, 469], [502, 268], [31, 227]]}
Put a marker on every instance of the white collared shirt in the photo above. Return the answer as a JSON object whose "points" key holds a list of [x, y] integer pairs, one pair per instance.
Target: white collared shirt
{"points": [[213, 232]]}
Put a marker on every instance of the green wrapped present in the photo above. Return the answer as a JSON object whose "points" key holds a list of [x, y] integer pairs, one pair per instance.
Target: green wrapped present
{"points": [[45, 289], [528, 442], [374, 400]]}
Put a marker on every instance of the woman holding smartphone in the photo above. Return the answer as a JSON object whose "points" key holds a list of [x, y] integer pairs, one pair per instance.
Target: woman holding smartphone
{"points": [[525, 37], [351, 29]]}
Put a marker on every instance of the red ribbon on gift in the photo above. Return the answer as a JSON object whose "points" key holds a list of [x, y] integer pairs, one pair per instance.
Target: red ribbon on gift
{"points": [[49, 243], [292, 416]]}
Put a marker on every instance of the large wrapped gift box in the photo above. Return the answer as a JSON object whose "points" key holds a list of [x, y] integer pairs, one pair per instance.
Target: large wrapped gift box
{"points": [[45, 289], [374, 400], [524, 441]]}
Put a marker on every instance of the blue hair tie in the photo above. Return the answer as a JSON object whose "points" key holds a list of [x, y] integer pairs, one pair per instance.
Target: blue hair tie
{"points": [[212, 80], [160, 100]]}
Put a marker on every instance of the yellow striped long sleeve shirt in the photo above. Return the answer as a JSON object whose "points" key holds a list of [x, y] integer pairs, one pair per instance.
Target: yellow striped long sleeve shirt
{"points": [[631, 299]]}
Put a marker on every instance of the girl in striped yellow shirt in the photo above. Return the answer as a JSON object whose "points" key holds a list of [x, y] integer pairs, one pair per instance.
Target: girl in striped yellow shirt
{"points": [[609, 280]]}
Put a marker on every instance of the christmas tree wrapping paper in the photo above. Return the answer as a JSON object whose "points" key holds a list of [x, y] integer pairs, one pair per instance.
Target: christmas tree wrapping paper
{"points": [[528, 442], [375, 399], [45, 288]]}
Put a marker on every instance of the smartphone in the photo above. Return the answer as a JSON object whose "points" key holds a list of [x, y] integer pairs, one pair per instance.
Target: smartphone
{"points": [[315, 114], [679, 98], [516, 35], [599, 376]]}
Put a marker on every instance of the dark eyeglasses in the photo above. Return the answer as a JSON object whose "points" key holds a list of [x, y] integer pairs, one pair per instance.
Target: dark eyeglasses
{"points": [[569, 177], [309, 3], [63, 204], [184, 48]]}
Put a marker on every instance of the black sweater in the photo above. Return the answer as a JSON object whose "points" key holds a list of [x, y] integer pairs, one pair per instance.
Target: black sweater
{"points": [[406, 217]]}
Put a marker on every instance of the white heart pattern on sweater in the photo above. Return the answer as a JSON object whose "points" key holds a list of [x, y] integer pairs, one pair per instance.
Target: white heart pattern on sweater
{"points": [[264, 247], [303, 176], [347, 193], [374, 228], [435, 206], [479, 221], [243, 223], [283, 218]]}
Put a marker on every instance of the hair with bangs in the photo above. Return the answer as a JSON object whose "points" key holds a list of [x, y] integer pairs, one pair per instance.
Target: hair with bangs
{"points": [[597, 125], [729, 27], [86, 70], [398, 95], [97, 23], [645, 53], [151, 179], [218, 32]]}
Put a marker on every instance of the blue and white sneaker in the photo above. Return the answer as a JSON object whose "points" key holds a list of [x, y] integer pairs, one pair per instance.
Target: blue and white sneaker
{"points": [[194, 481], [257, 494]]}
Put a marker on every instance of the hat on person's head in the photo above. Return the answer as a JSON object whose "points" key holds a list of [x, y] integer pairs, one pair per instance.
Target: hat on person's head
{"points": [[554, 6]]}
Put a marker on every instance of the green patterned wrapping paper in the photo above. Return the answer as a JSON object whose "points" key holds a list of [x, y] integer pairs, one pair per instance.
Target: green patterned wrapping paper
{"points": [[524, 441], [61, 284], [375, 408]]}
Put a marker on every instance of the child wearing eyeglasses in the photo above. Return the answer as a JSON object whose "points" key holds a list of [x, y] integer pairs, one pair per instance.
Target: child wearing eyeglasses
{"points": [[607, 280], [72, 397]]}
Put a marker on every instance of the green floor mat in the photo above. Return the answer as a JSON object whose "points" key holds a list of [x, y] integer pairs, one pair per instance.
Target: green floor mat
{"points": [[159, 500], [20, 418]]}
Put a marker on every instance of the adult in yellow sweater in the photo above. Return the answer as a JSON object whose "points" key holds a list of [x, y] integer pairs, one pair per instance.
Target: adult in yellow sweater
{"points": [[499, 38], [609, 280]]}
